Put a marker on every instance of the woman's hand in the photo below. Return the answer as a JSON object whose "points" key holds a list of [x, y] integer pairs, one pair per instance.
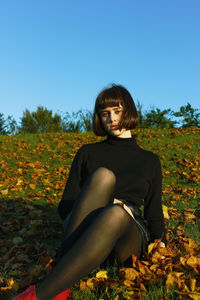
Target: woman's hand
{"points": [[162, 245]]}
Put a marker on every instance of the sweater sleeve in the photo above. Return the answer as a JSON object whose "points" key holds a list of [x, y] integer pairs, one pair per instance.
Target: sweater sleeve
{"points": [[153, 211], [73, 185]]}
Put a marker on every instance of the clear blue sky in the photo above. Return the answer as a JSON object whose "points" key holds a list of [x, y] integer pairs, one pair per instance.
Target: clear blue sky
{"points": [[61, 53]]}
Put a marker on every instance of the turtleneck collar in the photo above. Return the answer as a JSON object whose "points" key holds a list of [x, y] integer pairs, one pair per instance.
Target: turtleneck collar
{"points": [[114, 140]]}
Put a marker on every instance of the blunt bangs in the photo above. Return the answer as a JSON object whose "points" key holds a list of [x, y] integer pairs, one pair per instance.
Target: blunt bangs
{"points": [[108, 102], [115, 96]]}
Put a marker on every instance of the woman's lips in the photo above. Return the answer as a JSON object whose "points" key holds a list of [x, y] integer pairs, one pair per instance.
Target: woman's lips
{"points": [[114, 127]]}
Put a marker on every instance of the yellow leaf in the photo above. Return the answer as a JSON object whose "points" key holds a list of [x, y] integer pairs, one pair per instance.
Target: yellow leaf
{"points": [[129, 273], [90, 283], [150, 247], [102, 274], [128, 294], [192, 243], [4, 192], [45, 181], [189, 216], [19, 181], [183, 260], [193, 284], [10, 284], [154, 267], [194, 296], [173, 278], [128, 283], [20, 171], [165, 212], [193, 261]]}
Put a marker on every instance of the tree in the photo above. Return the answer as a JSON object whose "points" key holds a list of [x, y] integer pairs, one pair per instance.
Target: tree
{"points": [[140, 114], [40, 121], [189, 116], [158, 118], [2, 124], [78, 121], [11, 125], [71, 123], [86, 119]]}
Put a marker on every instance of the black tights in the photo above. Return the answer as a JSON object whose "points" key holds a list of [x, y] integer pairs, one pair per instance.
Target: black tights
{"points": [[96, 230]]}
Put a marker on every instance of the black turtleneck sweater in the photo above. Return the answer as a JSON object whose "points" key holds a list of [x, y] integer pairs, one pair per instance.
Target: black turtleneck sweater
{"points": [[137, 171]]}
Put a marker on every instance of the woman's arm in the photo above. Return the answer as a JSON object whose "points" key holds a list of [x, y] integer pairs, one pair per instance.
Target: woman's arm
{"points": [[73, 185], [153, 212]]}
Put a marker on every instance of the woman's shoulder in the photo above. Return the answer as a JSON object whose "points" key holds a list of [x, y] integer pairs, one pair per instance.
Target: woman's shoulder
{"points": [[150, 155], [91, 146]]}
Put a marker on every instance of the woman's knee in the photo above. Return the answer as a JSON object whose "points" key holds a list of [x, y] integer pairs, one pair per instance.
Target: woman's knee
{"points": [[104, 176], [116, 217]]}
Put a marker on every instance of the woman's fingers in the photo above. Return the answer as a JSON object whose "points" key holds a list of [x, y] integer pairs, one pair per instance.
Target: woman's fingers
{"points": [[162, 245]]}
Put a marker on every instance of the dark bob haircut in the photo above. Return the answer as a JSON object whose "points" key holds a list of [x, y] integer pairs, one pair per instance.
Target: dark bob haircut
{"points": [[115, 96]]}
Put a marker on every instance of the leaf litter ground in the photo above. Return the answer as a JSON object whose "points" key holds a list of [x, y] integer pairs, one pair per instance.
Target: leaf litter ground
{"points": [[34, 169]]}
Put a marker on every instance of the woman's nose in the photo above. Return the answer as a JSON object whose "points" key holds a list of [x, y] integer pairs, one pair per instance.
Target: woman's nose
{"points": [[112, 117]]}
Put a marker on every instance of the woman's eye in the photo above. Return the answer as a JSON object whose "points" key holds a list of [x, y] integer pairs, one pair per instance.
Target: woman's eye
{"points": [[117, 111], [104, 114]]}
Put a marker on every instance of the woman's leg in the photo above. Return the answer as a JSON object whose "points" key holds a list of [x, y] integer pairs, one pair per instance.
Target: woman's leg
{"points": [[113, 228], [97, 192]]}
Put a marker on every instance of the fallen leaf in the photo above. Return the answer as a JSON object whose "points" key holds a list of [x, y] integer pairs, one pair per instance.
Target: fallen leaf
{"points": [[32, 186], [4, 192], [102, 274], [129, 273], [165, 212]]}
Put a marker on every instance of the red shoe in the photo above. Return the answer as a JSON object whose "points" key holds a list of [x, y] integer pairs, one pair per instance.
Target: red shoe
{"points": [[65, 295], [29, 294]]}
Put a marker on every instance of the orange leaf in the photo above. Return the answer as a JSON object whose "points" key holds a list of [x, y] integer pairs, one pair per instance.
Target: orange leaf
{"points": [[128, 283], [129, 273], [142, 287], [32, 186], [172, 279], [83, 286]]}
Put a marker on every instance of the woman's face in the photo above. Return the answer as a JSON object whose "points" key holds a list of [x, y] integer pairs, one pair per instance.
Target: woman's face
{"points": [[110, 117]]}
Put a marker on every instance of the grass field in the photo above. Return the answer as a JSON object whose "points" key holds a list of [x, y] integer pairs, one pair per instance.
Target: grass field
{"points": [[34, 169]]}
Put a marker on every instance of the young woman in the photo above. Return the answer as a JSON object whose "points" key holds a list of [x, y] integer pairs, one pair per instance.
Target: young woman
{"points": [[100, 206]]}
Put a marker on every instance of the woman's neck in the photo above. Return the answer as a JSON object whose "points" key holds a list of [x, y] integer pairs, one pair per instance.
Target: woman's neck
{"points": [[124, 134]]}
